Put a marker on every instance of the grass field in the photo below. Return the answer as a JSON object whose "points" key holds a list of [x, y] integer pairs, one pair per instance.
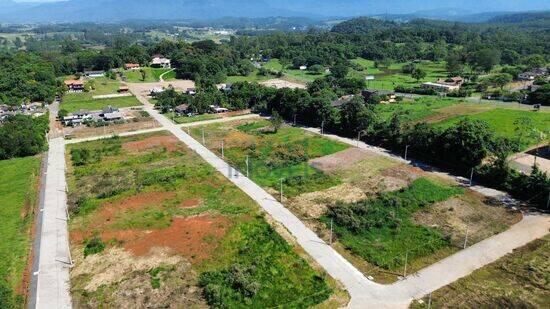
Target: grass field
{"points": [[152, 75], [273, 156], [502, 121], [18, 193], [519, 280], [98, 104], [73, 102], [152, 223], [275, 66], [388, 78]]}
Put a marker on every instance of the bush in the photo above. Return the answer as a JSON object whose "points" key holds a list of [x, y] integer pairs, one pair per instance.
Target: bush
{"points": [[93, 246], [80, 157], [22, 136], [415, 90]]}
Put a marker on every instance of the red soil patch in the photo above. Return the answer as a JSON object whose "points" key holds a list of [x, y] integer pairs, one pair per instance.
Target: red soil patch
{"points": [[171, 143], [132, 203], [190, 203], [194, 238]]}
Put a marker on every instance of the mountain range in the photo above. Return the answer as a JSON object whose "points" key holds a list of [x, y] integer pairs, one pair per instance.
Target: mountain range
{"points": [[119, 10]]}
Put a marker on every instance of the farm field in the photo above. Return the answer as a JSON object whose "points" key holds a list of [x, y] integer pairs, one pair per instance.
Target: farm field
{"points": [[272, 156], [19, 195], [388, 78], [73, 102], [152, 75], [518, 280], [152, 223]]}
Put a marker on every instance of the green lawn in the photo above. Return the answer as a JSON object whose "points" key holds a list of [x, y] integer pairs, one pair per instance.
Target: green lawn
{"points": [[18, 193], [152, 75], [186, 119], [380, 229], [502, 121], [388, 78], [273, 156], [248, 265], [73, 105], [417, 109]]}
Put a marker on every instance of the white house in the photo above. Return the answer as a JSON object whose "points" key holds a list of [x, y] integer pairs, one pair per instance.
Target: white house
{"points": [[160, 61]]}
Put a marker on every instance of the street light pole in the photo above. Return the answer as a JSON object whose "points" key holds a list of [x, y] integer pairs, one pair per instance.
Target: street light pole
{"points": [[466, 238], [247, 174], [322, 127], [331, 221], [223, 155], [407, 151], [281, 192], [472, 177], [294, 119], [203, 141], [406, 261], [358, 138]]}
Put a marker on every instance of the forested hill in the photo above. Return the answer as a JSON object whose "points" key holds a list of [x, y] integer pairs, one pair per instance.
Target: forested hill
{"points": [[519, 18]]}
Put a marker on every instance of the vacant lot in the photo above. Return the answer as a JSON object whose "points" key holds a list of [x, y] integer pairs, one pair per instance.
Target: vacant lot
{"points": [[272, 156], [151, 75], [18, 196], [153, 224], [519, 280], [203, 117], [387, 214]]}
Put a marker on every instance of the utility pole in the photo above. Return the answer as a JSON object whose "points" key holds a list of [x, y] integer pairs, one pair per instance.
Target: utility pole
{"points": [[358, 138], [294, 119], [406, 261], [223, 155], [430, 301], [281, 192], [472, 177], [548, 201], [466, 238], [247, 174], [203, 140], [322, 127], [331, 221], [407, 151]]}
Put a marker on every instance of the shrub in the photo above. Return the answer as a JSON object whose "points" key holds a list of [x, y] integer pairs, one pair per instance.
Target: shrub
{"points": [[93, 246]]}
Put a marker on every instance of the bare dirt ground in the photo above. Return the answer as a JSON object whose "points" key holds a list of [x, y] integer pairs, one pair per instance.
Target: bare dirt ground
{"points": [[134, 122], [281, 83], [145, 88]]}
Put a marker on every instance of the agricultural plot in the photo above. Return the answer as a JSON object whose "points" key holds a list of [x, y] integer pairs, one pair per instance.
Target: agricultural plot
{"points": [[273, 157], [151, 75], [153, 224], [19, 194], [519, 280], [73, 102]]}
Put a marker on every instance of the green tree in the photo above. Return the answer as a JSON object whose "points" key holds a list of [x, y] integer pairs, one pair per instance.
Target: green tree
{"points": [[143, 74], [534, 61], [500, 80], [485, 59], [276, 121], [418, 74]]}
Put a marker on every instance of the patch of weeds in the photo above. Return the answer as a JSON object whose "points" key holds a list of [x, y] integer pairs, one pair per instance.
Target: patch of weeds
{"points": [[380, 229], [251, 126], [93, 246], [154, 273]]}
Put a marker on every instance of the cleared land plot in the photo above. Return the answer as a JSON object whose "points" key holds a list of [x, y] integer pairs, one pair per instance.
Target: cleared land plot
{"points": [[518, 280], [155, 225], [385, 212], [151, 75], [18, 196], [272, 156], [135, 119]]}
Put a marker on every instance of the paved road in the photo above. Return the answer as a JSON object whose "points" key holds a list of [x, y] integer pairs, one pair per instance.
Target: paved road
{"points": [[52, 282], [365, 293]]}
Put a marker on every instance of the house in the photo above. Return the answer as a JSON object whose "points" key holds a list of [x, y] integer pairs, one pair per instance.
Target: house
{"points": [[342, 101], [4, 107], [533, 74], [94, 74], [386, 97], [123, 89], [218, 110], [224, 87], [191, 91], [160, 61], [108, 110], [440, 87], [156, 90], [452, 81], [132, 66], [182, 109], [74, 85], [115, 115], [76, 118]]}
